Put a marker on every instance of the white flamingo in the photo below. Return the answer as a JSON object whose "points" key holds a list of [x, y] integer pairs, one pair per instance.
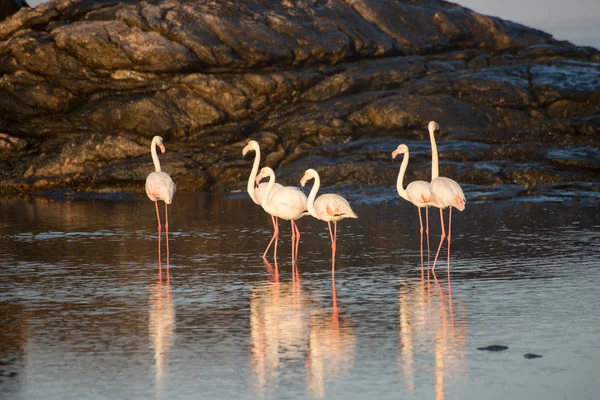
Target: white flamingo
{"points": [[288, 203], [257, 193], [417, 192], [160, 186], [328, 207], [444, 191]]}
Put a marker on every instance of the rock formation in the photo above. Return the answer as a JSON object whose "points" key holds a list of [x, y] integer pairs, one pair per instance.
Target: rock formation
{"points": [[332, 84]]}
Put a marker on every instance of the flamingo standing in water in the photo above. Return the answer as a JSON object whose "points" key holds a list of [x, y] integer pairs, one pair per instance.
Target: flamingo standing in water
{"points": [[257, 194], [160, 186], [328, 207], [417, 192], [444, 191], [288, 203]]}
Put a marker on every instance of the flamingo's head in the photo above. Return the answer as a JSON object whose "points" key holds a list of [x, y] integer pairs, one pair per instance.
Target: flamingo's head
{"points": [[433, 127], [308, 175], [158, 141], [265, 171], [402, 149], [251, 146]]}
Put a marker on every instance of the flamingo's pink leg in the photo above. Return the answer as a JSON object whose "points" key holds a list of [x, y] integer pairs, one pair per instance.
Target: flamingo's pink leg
{"points": [[449, 228], [293, 244], [272, 238], [427, 232], [421, 236], [297, 240], [157, 216], [334, 246], [276, 238], [441, 240], [159, 264], [167, 234]]}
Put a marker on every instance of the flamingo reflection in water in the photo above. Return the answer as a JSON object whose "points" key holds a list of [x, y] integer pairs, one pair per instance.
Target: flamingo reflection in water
{"points": [[289, 328], [161, 328], [427, 322]]}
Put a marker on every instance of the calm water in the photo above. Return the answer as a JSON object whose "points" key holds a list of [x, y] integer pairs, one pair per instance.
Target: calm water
{"points": [[85, 315]]}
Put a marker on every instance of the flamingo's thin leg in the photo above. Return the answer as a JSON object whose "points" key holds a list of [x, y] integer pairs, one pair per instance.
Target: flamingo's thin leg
{"points": [[427, 232], [421, 237], [159, 264], [297, 240], [272, 238], [157, 216], [167, 234], [276, 237], [449, 229], [441, 240], [334, 246], [293, 244]]}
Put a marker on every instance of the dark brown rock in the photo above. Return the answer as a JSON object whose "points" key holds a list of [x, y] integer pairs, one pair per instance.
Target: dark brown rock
{"points": [[337, 85]]}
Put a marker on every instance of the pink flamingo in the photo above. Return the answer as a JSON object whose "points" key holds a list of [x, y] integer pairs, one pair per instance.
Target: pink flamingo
{"points": [[160, 186], [257, 194], [328, 207], [288, 203], [444, 191], [417, 192]]}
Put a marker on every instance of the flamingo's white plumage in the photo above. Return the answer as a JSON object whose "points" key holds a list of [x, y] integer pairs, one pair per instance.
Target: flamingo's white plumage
{"points": [[287, 202], [327, 207], [160, 186], [444, 191], [417, 192], [256, 192]]}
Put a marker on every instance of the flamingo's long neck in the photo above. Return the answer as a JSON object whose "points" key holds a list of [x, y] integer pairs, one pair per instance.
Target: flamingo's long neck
{"points": [[400, 181], [434, 156], [267, 195], [253, 173], [155, 156], [310, 205]]}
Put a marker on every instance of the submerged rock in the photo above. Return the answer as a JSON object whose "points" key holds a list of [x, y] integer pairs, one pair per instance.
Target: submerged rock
{"points": [[530, 356], [494, 347], [335, 85]]}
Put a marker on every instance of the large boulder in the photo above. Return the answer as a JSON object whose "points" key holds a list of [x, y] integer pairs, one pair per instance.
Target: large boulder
{"points": [[86, 84]]}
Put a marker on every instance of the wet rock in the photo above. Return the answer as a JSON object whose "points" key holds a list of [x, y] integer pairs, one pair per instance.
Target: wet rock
{"points": [[335, 85], [9, 7], [530, 356], [494, 347]]}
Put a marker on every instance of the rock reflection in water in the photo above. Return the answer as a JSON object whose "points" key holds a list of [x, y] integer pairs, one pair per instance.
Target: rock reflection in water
{"points": [[287, 326], [161, 327], [428, 324]]}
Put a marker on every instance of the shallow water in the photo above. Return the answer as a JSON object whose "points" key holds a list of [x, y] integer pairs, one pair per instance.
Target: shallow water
{"points": [[84, 313]]}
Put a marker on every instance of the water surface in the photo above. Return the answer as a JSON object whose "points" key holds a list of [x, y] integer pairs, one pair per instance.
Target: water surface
{"points": [[84, 312]]}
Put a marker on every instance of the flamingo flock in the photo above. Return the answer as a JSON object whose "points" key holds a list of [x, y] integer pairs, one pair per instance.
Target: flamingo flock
{"points": [[290, 203]]}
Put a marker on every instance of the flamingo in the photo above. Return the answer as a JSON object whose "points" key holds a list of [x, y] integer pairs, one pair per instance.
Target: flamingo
{"points": [[328, 207], [417, 192], [445, 193], [257, 194], [160, 186], [288, 203]]}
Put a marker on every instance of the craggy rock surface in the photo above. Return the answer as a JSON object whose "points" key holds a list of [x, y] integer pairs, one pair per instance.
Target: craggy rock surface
{"points": [[336, 85]]}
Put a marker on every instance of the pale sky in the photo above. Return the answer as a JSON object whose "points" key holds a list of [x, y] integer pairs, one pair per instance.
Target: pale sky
{"points": [[574, 20]]}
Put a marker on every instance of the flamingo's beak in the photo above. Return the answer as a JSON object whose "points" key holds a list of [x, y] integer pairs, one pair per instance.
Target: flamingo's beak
{"points": [[258, 179], [245, 150], [303, 181], [162, 148], [394, 154]]}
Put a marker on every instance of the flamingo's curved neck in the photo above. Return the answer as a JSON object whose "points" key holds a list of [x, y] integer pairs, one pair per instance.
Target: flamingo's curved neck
{"points": [[434, 156], [400, 181], [253, 173], [267, 195], [310, 205], [155, 156]]}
